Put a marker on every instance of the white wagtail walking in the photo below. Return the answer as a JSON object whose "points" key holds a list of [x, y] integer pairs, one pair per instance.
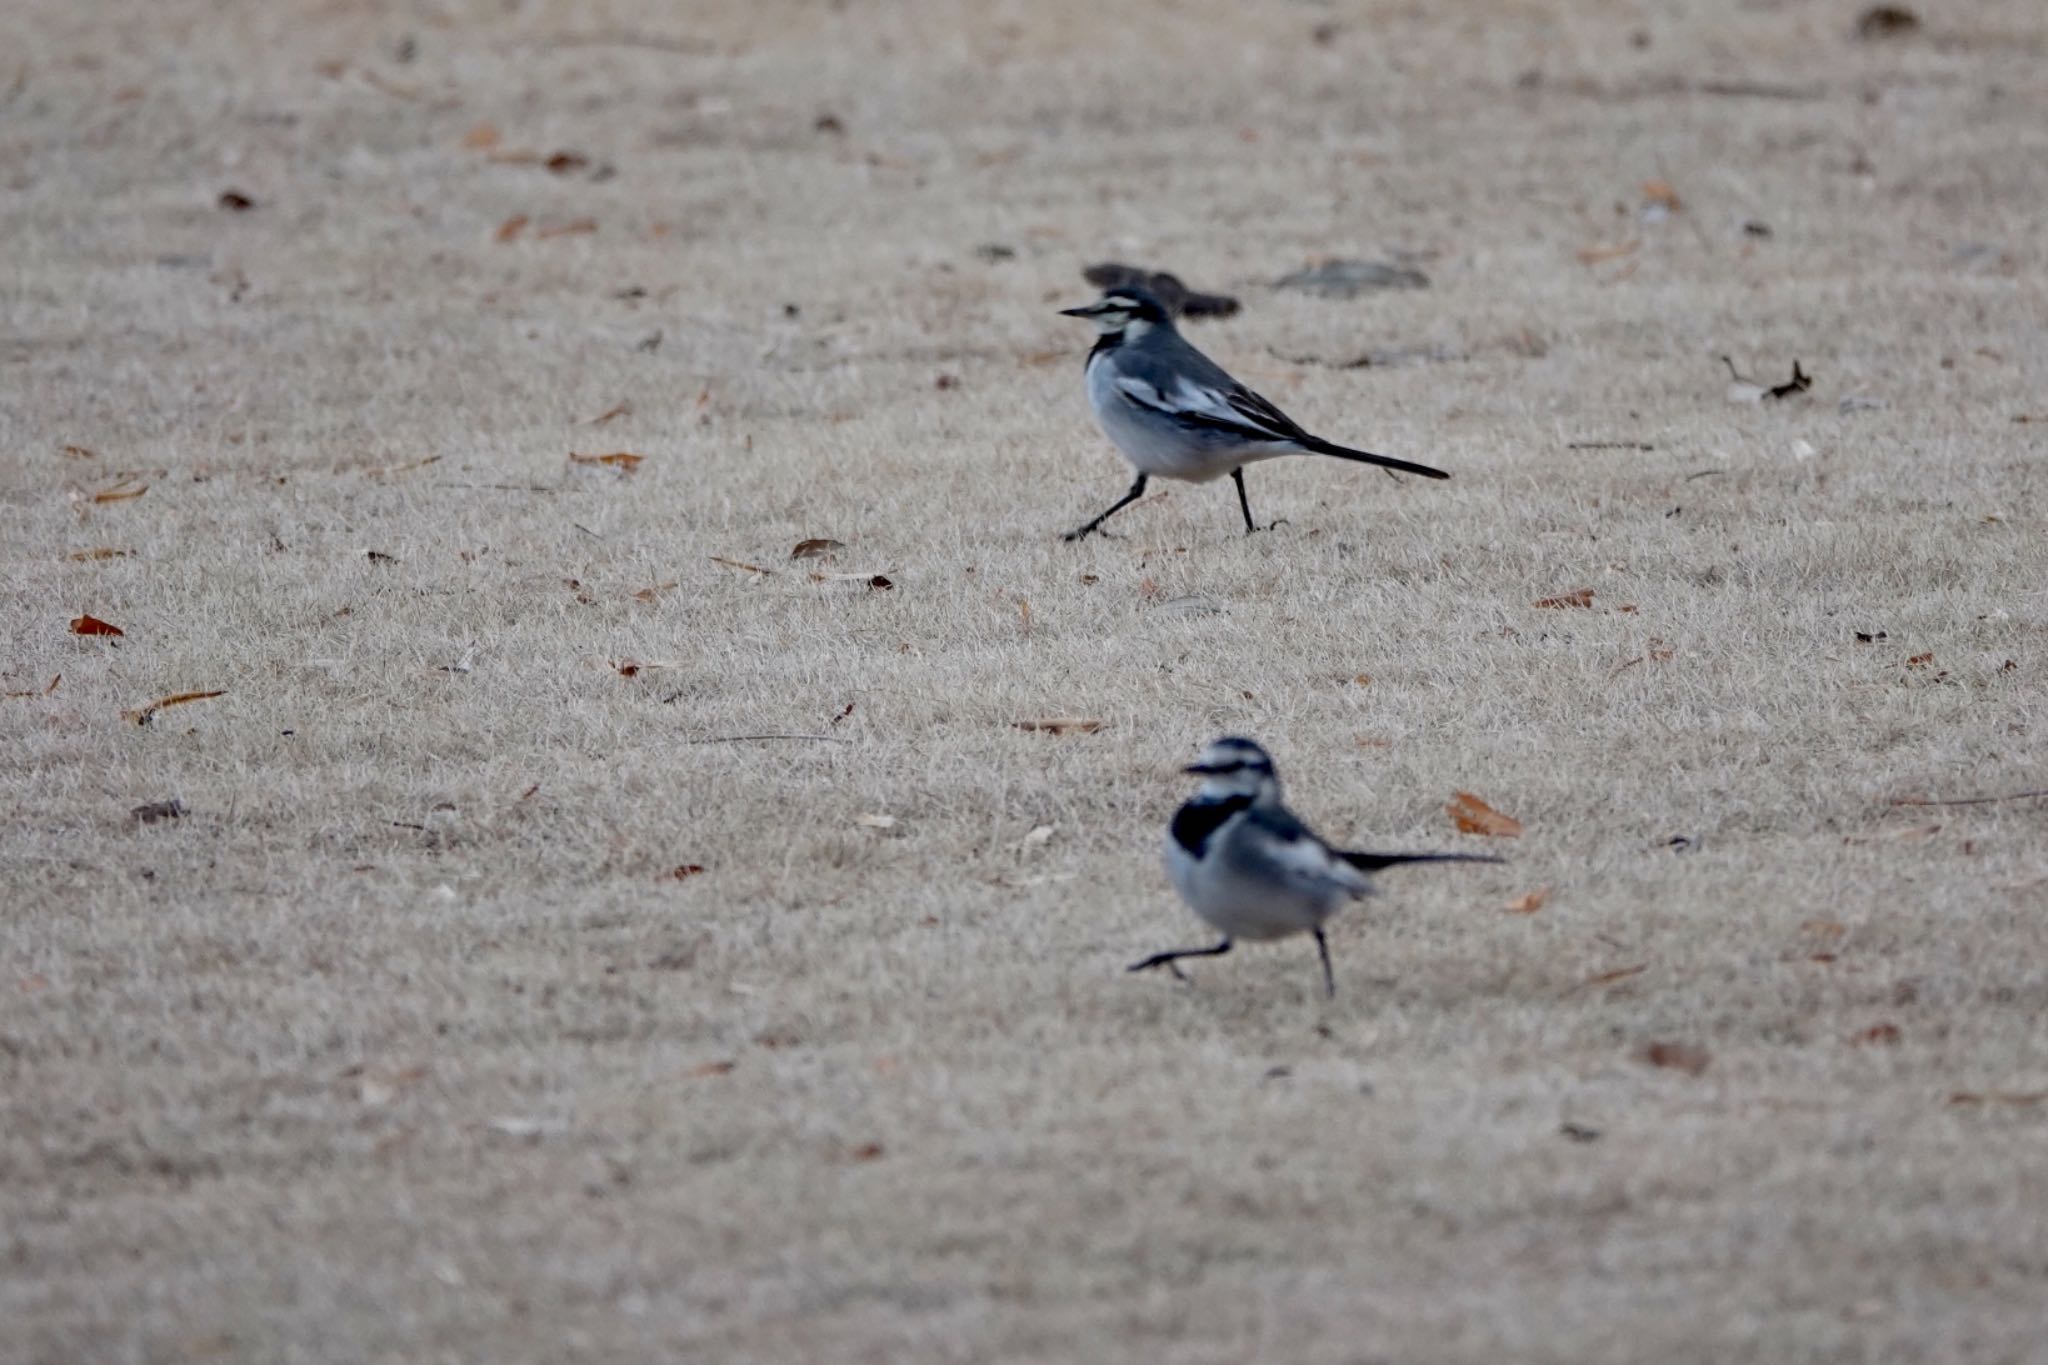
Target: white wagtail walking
{"points": [[1175, 413], [1247, 865]]}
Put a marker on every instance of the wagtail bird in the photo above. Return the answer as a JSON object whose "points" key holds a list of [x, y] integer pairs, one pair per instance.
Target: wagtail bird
{"points": [[1175, 413], [1247, 865]]}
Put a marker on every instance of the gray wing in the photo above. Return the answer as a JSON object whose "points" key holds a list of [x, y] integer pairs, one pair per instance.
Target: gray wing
{"points": [[1279, 848], [1172, 379]]}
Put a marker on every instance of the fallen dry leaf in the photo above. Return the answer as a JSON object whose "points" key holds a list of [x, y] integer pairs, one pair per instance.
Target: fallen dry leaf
{"points": [[1058, 726], [236, 202], [653, 592], [575, 228], [1610, 977], [77, 453], [1660, 192], [1594, 255], [1583, 597], [817, 547], [482, 137], [147, 714], [120, 492], [1921, 660], [1529, 903], [1690, 1058], [684, 870], [512, 227], [561, 163], [1473, 816], [92, 625], [707, 1069], [623, 461], [739, 564], [1363, 680], [1879, 1035]]}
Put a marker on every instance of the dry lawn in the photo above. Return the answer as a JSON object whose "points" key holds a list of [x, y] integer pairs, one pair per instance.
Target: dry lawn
{"points": [[407, 1042]]}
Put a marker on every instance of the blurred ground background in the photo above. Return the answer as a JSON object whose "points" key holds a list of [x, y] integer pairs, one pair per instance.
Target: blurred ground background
{"points": [[491, 1000]]}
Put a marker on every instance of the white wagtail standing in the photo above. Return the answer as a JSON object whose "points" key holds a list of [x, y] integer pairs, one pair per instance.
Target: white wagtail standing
{"points": [[1175, 413], [1247, 865]]}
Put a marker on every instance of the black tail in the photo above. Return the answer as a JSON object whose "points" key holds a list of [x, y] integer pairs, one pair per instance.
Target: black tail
{"points": [[1322, 447], [1373, 862]]}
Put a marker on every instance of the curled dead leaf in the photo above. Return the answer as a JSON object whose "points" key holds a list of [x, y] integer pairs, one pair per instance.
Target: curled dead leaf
{"points": [[1528, 903], [685, 870], [1583, 597], [1473, 816], [817, 547], [92, 625], [1690, 1058], [120, 492]]}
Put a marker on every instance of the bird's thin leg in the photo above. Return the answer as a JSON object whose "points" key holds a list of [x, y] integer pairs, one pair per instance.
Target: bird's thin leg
{"points": [[1167, 959], [1137, 491], [1244, 504], [1329, 977]]}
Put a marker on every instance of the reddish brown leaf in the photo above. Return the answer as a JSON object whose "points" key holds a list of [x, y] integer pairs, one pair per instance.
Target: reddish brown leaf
{"points": [[1879, 1035], [1583, 597], [148, 713], [576, 228], [705, 1070], [92, 625], [120, 492], [482, 137], [1690, 1058], [77, 453], [561, 163], [1921, 660], [867, 1151], [1528, 903], [620, 460], [512, 227], [684, 870], [1661, 192], [236, 202], [1473, 816]]}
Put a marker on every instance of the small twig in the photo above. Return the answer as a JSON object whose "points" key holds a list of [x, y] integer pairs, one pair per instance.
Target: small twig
{"points": [[742, 739], [1705, 474], [1970, 800], [504, 487], [1608, 445]]}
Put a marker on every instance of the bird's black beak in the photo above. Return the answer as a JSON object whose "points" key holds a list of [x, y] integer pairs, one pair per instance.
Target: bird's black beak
{"points": [[1086, 310]]}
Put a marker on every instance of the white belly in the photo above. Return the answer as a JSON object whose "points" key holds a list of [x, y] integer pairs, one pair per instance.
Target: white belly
{"points": [[1243, 898]]}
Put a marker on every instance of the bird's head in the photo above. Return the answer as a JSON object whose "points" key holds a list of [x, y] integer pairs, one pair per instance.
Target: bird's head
{"points": [[1233, 766], [1121, 310]]}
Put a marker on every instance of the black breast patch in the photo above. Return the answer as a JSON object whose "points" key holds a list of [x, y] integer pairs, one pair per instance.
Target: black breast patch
{"points": [[1195, 822]]}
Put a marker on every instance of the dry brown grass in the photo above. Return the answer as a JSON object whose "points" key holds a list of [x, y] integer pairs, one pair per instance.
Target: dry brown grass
{"points": [[406, 1044]]}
